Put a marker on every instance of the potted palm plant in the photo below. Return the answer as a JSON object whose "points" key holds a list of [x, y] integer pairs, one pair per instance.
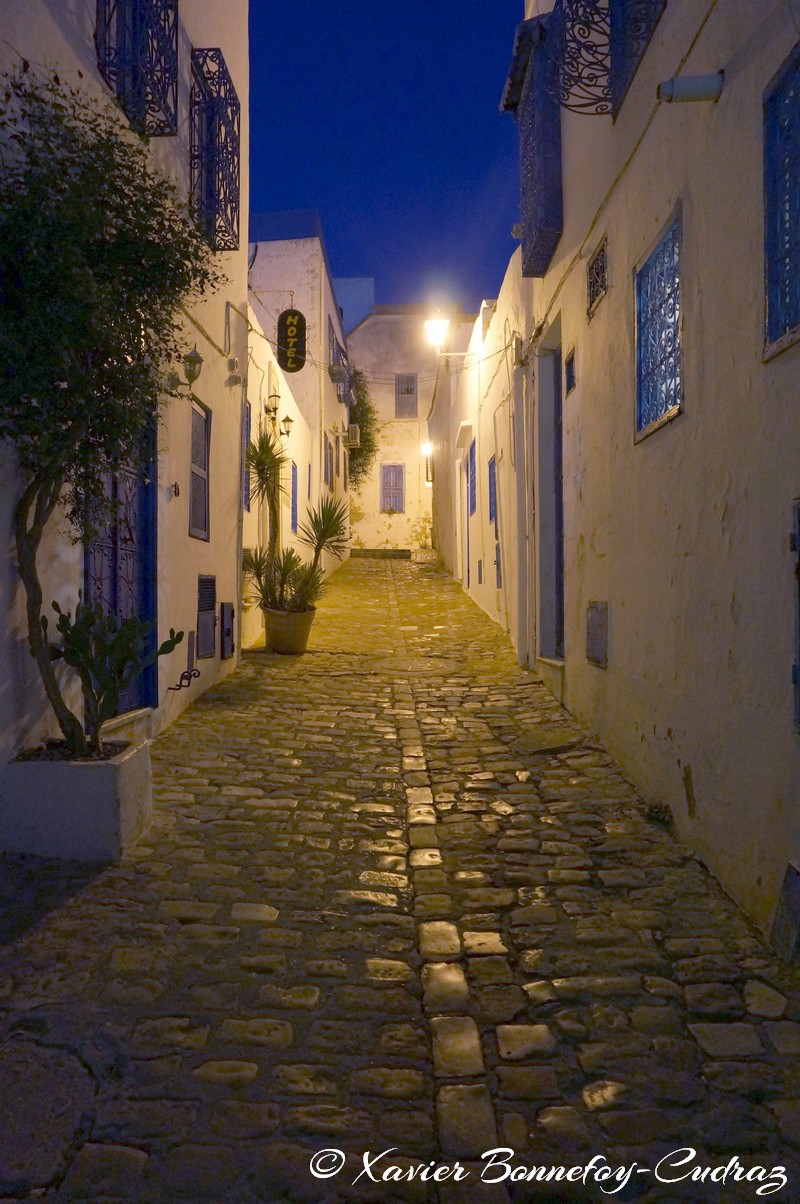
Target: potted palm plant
{"points": [[285, 587]]}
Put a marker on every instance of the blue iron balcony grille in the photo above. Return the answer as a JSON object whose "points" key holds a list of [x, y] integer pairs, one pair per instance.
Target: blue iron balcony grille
{"points": [[579, 38], [631, 27], [597, 277], [540, 159], [214, 160], [658, 332], [782, 200], [137, 56]]}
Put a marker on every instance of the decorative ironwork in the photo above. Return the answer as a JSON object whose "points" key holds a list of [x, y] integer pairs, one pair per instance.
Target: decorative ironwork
{"points": [[214, 160], [137, 55], [579, 38], [542, 207], [658, 332], [570, 378], [597, 277], [119, 567], [782, 198], [631, 27]]}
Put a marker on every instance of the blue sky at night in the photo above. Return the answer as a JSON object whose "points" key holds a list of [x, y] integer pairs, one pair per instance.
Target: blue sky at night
{"points": [[385, 118]]}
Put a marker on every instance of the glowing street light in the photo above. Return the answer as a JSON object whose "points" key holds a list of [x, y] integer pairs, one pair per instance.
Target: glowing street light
{"points": [[436, 329]]}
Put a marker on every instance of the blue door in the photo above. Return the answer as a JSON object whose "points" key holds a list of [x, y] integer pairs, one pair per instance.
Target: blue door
{"points": [[120, 566]]}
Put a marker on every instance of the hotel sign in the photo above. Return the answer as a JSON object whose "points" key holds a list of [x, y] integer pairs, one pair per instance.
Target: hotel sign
{"points": [[291, 340]]}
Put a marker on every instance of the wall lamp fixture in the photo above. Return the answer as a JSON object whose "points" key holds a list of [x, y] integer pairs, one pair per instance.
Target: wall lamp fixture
{"points": [[192, 365], [286, 425]]}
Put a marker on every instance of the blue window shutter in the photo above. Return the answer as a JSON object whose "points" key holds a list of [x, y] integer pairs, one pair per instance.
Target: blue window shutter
{"points": [[492, 490], [473, 495], [393, 488], [541, 199], [782, 201], [206, 616], [246, 481], [294, 496], [199, 475], [498, 564], [226, 617]]}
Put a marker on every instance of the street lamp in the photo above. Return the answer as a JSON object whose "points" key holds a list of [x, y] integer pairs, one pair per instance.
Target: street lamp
{"points": [[286, 425], [436, 329]]}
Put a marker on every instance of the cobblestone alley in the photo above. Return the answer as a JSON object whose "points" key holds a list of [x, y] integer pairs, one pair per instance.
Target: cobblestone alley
{"points": [[392, 900]]}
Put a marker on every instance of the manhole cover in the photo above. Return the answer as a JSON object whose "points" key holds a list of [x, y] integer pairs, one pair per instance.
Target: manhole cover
{"points": [[415, 666]]}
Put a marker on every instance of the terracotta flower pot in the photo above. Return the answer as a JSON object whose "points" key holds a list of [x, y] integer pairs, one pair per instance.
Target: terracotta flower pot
{"points": [[287, 631]]}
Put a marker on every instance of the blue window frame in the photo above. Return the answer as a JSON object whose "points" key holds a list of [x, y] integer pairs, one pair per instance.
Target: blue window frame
{"points": [[393, 488], [294, 497], [782, 200], [473, 485], [137, 56], [542, 205], [493, 492], [214, 155], [248, 418], [569, 372], [658, 333], [199, 479], [632, 26]]}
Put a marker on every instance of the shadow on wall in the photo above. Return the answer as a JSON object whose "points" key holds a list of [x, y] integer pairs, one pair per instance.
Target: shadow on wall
{"points": [[30, 887]]}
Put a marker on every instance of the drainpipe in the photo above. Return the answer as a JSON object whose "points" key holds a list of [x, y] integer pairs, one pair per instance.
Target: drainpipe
{"points": [[521, 465], [683, 88]]}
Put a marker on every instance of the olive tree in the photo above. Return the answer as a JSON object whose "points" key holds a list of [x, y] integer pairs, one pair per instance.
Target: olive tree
{"points": [[97, 257]]}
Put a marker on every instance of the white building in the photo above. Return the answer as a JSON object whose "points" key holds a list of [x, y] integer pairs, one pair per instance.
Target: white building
{"points": [[642, 416], [289, 274], [391, 509], [173, 554]]}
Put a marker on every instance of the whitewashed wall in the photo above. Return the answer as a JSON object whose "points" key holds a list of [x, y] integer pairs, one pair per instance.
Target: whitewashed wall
{"points": [[62, 36]]}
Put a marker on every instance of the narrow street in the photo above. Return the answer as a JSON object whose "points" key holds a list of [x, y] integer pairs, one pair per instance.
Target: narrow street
{"points": [[393, 899]]}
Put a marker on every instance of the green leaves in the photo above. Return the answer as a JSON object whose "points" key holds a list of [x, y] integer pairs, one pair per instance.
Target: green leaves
{"points": [[363, 415], [325, 528], [282, 581], [107, 655]]}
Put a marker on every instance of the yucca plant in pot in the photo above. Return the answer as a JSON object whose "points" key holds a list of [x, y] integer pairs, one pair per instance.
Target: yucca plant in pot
{"points": [[285, 587]]}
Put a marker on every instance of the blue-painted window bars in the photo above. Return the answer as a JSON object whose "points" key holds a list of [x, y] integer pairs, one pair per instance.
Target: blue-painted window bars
{"points": [[782, 200], [658, 332], [137, 55], [473, 479], [631, 27], [393, 488], [214, 156]]}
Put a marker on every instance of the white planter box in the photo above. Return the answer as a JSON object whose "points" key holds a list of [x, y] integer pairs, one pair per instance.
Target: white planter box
{"points": [[76, 810]]}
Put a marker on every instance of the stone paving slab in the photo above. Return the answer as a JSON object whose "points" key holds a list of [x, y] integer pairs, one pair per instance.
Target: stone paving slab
{"points": [[395, 904]]}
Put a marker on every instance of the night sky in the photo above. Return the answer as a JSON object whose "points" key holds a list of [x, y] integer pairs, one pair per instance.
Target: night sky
{"points": [[385, 118]]}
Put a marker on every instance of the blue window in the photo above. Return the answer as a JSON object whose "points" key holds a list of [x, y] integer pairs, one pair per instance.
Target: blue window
{"points": [[493, 491], [248, 413], [782, 199], [658, 333], [405, 395], [632, 25], [214, 156], [198, 480], [393, 488], [294, 497], [473, 498], [542, 206], [137, 56], [569, 372]]}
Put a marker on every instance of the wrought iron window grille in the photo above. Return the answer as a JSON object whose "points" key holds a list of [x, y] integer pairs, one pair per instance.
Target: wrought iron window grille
{"points": [[597, 277], [782, 204], [632, 25], [137, 56], [659, 389], [579, 40], [214, 157], [569, 372]]}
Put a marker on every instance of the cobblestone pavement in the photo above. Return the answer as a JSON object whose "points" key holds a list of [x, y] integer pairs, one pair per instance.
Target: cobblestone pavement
{"points": [[392, 899]]}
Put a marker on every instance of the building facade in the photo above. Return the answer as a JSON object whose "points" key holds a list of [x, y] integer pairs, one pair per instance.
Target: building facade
{"points": [[289, 273], [179, 74], [649, 330], [391, 509]]}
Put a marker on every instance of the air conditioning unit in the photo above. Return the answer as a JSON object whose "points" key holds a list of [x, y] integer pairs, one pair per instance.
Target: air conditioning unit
{"points": [[353, 435]]}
